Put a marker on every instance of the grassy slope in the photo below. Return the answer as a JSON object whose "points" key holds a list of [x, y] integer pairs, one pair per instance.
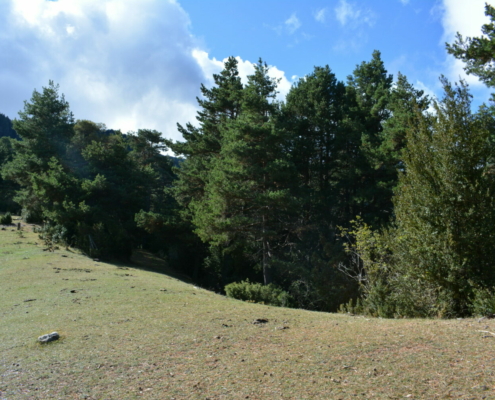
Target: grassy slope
{"points": [[132, 334]]}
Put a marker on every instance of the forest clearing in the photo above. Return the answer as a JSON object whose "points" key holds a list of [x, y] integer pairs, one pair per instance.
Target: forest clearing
{"points": [[130, 333]]}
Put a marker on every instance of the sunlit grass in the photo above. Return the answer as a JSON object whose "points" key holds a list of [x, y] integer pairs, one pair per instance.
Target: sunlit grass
{"points": [[130, 333]]}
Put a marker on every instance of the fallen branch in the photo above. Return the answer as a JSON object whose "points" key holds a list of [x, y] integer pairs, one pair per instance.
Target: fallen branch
{"points": [[491, 333]]}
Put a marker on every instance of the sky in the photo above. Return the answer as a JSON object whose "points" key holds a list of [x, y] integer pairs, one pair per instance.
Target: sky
{"points": [[139, 64]]}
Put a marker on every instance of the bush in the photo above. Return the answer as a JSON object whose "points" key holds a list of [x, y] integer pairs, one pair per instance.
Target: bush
{"points": [[258, 293], [483, 303], [53, 234], [31, 216], [6, 219]]}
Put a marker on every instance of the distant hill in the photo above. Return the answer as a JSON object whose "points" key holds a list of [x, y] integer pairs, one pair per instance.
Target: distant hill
{"points": [[6, 128], [176, 161]]}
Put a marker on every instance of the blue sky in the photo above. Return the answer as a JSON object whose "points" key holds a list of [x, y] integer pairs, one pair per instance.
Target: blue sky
{"points": [[139, 63]]}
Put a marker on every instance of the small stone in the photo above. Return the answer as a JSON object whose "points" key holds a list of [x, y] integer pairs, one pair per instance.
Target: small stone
{"points": [[50, 337]]}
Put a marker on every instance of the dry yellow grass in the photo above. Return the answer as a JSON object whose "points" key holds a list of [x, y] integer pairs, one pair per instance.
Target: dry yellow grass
{"points": [[130, 333]]}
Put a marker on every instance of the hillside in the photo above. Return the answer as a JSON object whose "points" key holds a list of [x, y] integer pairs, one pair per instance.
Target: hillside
{"points": [[130, 333]]}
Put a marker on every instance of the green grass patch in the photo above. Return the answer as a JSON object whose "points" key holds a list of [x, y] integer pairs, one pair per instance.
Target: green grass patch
{"points": [[128, 332]]}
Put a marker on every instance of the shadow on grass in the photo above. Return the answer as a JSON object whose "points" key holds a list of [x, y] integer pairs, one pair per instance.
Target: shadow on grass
{"points": [[147, 261], [140, 259]]}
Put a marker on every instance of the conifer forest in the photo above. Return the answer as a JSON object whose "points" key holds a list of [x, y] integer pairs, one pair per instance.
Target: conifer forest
{"points": [[363, 196]]}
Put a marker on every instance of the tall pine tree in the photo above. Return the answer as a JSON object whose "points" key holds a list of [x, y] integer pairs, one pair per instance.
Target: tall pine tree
{"points": [[46, 128], [247, 197]]}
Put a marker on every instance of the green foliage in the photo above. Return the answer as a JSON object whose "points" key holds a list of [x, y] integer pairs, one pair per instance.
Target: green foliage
{"points": [[368, 265], [445, 205], [266, 185], [45, 127], [258, 293], [6, 219], [247, 197], [478, 52], [438, 251], [6, 129], [54, 234], [483, 302], [353, 306], [202, 145], [7, 187], [31, 216], [85, 182], [234, 183]]}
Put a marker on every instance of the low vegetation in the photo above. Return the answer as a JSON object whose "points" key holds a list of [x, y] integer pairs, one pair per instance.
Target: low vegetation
{"points": [[129, 332], [6, 219]]}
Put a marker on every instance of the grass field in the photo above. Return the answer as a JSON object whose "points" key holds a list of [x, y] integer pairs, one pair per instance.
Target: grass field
{"points": [[131, 333]]}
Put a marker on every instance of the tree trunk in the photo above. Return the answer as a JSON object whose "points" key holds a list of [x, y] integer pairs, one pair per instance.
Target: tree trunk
{"points": [[267, 278]]}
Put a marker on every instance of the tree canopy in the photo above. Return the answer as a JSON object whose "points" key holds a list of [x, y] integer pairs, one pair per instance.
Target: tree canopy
{"points": [[364, 194]]}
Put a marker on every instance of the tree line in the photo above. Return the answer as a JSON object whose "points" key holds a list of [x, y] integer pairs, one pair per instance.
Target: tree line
{"points": [[364, 194]]}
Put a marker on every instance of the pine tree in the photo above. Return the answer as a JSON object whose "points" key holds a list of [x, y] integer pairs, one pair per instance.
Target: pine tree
{"points": [[8, 188], [403, 104], [247, 196], [479, 52], [320, 143], [368, 93], [313, 114], [6, 129], [445, 204], [46, 128], [202, 145]]}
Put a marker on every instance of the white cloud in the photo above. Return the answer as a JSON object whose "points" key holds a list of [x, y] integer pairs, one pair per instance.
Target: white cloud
{"points": [[350, 13], [467, 19], [321, 15], [430, 92], [126, 63], [345, 12], [464, 17], [208, 66], [292, 23], [70, 30], [284, 84], [404, 2], [129, 64], [245, 68]]}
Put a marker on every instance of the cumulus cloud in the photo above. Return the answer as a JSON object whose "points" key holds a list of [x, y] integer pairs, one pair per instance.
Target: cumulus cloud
{"points": [[321, 15], [467, 19], [350, 13], [212, 66], [292, 23], [126, 63]]}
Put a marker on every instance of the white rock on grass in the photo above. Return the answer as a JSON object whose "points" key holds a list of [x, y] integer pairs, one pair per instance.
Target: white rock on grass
{"points": [[50, 337]]}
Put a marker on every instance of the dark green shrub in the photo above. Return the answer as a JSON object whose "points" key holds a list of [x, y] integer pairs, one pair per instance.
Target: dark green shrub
{"points": [[258, 293], [53, 234], [31, 216], [483, 303], [6, 219]]}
